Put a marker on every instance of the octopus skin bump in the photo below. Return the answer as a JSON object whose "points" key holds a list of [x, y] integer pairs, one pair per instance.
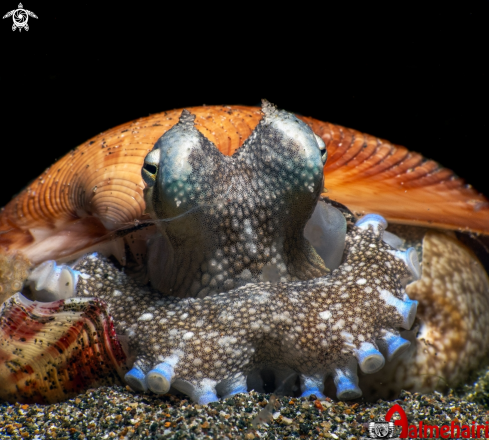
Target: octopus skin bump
{"points": [[449, 338], [206, 347], [216, 223]]}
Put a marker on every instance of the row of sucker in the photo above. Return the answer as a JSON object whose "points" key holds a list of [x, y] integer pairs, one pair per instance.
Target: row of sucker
{"points": [[323, 327], [210, 347]]}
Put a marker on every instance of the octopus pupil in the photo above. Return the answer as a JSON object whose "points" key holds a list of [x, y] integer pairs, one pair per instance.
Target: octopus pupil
{"points": [[150, 168]]}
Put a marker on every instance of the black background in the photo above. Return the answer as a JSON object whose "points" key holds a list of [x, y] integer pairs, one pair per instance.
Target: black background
{"points": [[412, 75]]}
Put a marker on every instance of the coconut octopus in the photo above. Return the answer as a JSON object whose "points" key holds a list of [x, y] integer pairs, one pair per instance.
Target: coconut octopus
{"points": [[197, 251]]}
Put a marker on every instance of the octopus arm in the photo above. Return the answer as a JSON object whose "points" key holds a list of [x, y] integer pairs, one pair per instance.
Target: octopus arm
{"points": [[323, 327]]}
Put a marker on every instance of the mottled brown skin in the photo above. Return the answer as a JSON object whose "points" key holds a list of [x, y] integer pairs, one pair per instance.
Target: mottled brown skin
{"points": [[279, 324], [227, 221], [452, 344], [219, 338]]}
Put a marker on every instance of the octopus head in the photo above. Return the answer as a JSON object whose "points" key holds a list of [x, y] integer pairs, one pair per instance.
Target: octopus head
{"points": [[229, 220]]}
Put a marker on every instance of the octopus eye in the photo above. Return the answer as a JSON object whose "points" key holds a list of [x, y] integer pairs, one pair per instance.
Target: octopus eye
{"points": [[322, 148], [149, 172]]}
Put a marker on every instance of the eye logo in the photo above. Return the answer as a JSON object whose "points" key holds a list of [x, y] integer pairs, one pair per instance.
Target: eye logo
{"points": [[20, 17]]}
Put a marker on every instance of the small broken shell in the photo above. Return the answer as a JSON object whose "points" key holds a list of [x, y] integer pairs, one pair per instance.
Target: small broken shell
{"points": [[53, 351]]}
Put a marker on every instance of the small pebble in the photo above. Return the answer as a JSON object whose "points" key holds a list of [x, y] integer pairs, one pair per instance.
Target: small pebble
{"points": [[115, 412]]}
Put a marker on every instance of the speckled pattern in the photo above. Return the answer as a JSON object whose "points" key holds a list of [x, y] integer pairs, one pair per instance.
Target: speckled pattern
{"points": [[208, 346], [236, 219], [454, 325], [449, 338], [315, 328]]}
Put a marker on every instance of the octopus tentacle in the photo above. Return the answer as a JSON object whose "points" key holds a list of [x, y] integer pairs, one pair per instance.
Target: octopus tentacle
{"points": [[320, 327], [414, 364], [453, 327], [448, 340]]}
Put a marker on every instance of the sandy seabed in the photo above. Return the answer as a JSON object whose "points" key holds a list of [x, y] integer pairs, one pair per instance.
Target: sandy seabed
{"points": [[118, 412]]}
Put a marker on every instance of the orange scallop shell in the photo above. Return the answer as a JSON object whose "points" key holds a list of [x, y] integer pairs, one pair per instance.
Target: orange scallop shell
{"points": [[97, 187]]}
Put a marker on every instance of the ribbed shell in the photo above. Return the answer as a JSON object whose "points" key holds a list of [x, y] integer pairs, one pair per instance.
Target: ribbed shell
{"points": [[97, 187], [53, 351]]}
